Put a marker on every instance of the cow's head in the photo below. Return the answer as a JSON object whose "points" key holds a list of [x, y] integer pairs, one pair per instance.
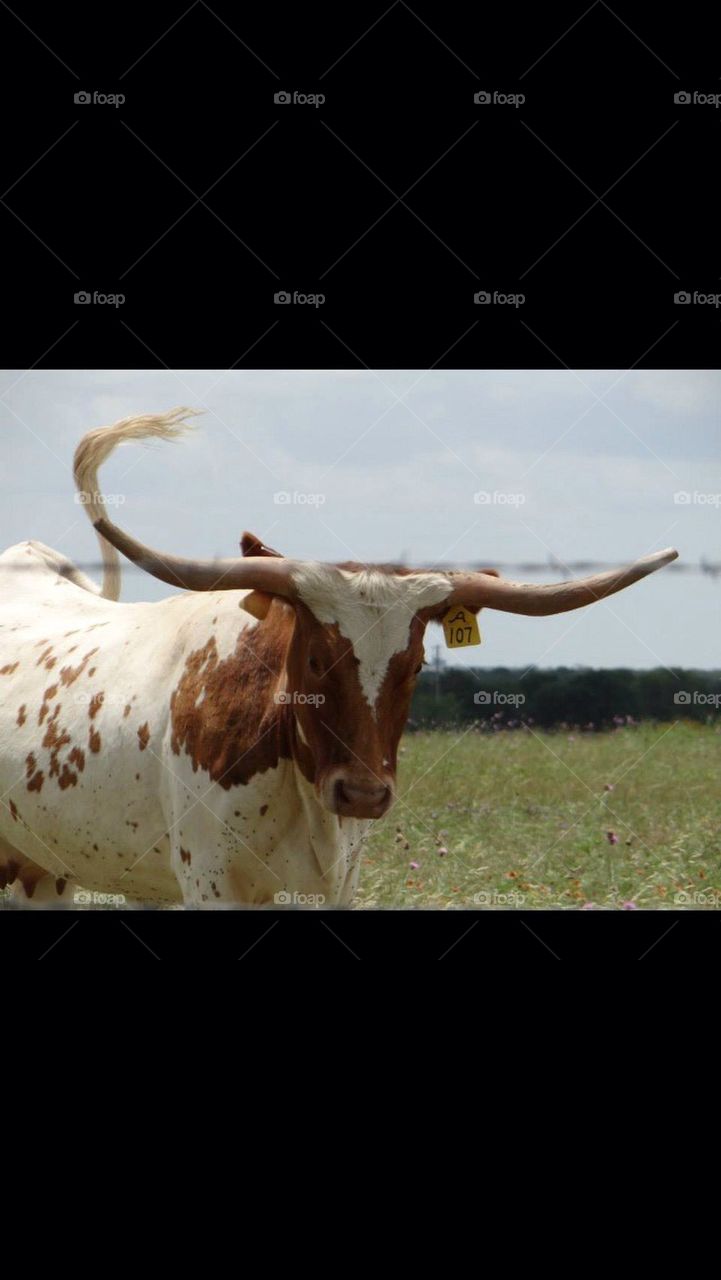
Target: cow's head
{"points": [[352, 664], [355, 645]]}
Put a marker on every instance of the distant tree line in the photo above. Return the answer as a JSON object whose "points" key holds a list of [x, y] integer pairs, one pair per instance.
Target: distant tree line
{"points": [[506, 698]]}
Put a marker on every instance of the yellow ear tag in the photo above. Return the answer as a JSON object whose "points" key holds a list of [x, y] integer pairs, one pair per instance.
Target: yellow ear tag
{"points": [[461, 628]]}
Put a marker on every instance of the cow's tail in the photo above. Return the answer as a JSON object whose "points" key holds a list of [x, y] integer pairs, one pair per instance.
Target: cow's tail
{"points": [[92, 452]]}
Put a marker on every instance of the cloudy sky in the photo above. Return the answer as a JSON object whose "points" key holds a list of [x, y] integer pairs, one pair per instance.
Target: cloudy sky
{"points": [[390, 465]]}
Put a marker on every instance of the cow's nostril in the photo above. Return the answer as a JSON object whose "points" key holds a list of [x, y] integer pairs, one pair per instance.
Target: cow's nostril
{"points": [[354, 794], [340, 794]]}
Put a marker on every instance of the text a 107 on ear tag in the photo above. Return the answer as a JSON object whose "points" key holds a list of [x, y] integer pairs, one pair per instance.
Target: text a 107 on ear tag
{"points": [[460, 628]]}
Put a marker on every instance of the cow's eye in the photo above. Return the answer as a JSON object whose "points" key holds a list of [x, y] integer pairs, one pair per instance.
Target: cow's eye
{"points": [[314, 665]]}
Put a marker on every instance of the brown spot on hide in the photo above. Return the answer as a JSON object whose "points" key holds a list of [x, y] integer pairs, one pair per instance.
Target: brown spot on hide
{"points": [[96, 703], [236, 731], [68, 675]]}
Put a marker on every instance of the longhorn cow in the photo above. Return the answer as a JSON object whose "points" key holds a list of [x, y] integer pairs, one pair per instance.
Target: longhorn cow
{"points": [[229, 745]]}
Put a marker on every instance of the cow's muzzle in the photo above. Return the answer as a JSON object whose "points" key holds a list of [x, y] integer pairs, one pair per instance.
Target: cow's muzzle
{"points": [[351, 795]]}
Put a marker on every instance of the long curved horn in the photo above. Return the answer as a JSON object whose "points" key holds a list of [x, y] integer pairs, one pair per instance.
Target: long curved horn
{"points": [[480, 590], [258, 573]]}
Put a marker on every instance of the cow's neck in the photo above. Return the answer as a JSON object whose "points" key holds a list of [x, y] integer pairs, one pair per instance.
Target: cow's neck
{"points": [[224, 711]]}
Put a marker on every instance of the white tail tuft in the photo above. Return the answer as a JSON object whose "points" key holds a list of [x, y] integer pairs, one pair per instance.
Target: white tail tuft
{"points": [[92, 452]]}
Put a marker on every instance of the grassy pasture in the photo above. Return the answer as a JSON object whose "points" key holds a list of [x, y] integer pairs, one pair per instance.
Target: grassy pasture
{"points": [[525, 818]]}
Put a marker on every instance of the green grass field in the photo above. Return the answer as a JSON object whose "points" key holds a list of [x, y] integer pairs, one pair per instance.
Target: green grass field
{"points": [[525, 818]]}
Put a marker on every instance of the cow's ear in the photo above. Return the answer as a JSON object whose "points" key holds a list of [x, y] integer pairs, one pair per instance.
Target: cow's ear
{"points": [[258, 603], [470, 607], [477, 608], [250, 545], [437, 612]]}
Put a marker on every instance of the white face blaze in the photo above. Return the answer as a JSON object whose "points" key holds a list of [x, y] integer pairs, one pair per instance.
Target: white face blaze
{"points": [[372, 609]]}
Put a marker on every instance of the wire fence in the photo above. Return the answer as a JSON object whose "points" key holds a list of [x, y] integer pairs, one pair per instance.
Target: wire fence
{"points": [[708, 568]]}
